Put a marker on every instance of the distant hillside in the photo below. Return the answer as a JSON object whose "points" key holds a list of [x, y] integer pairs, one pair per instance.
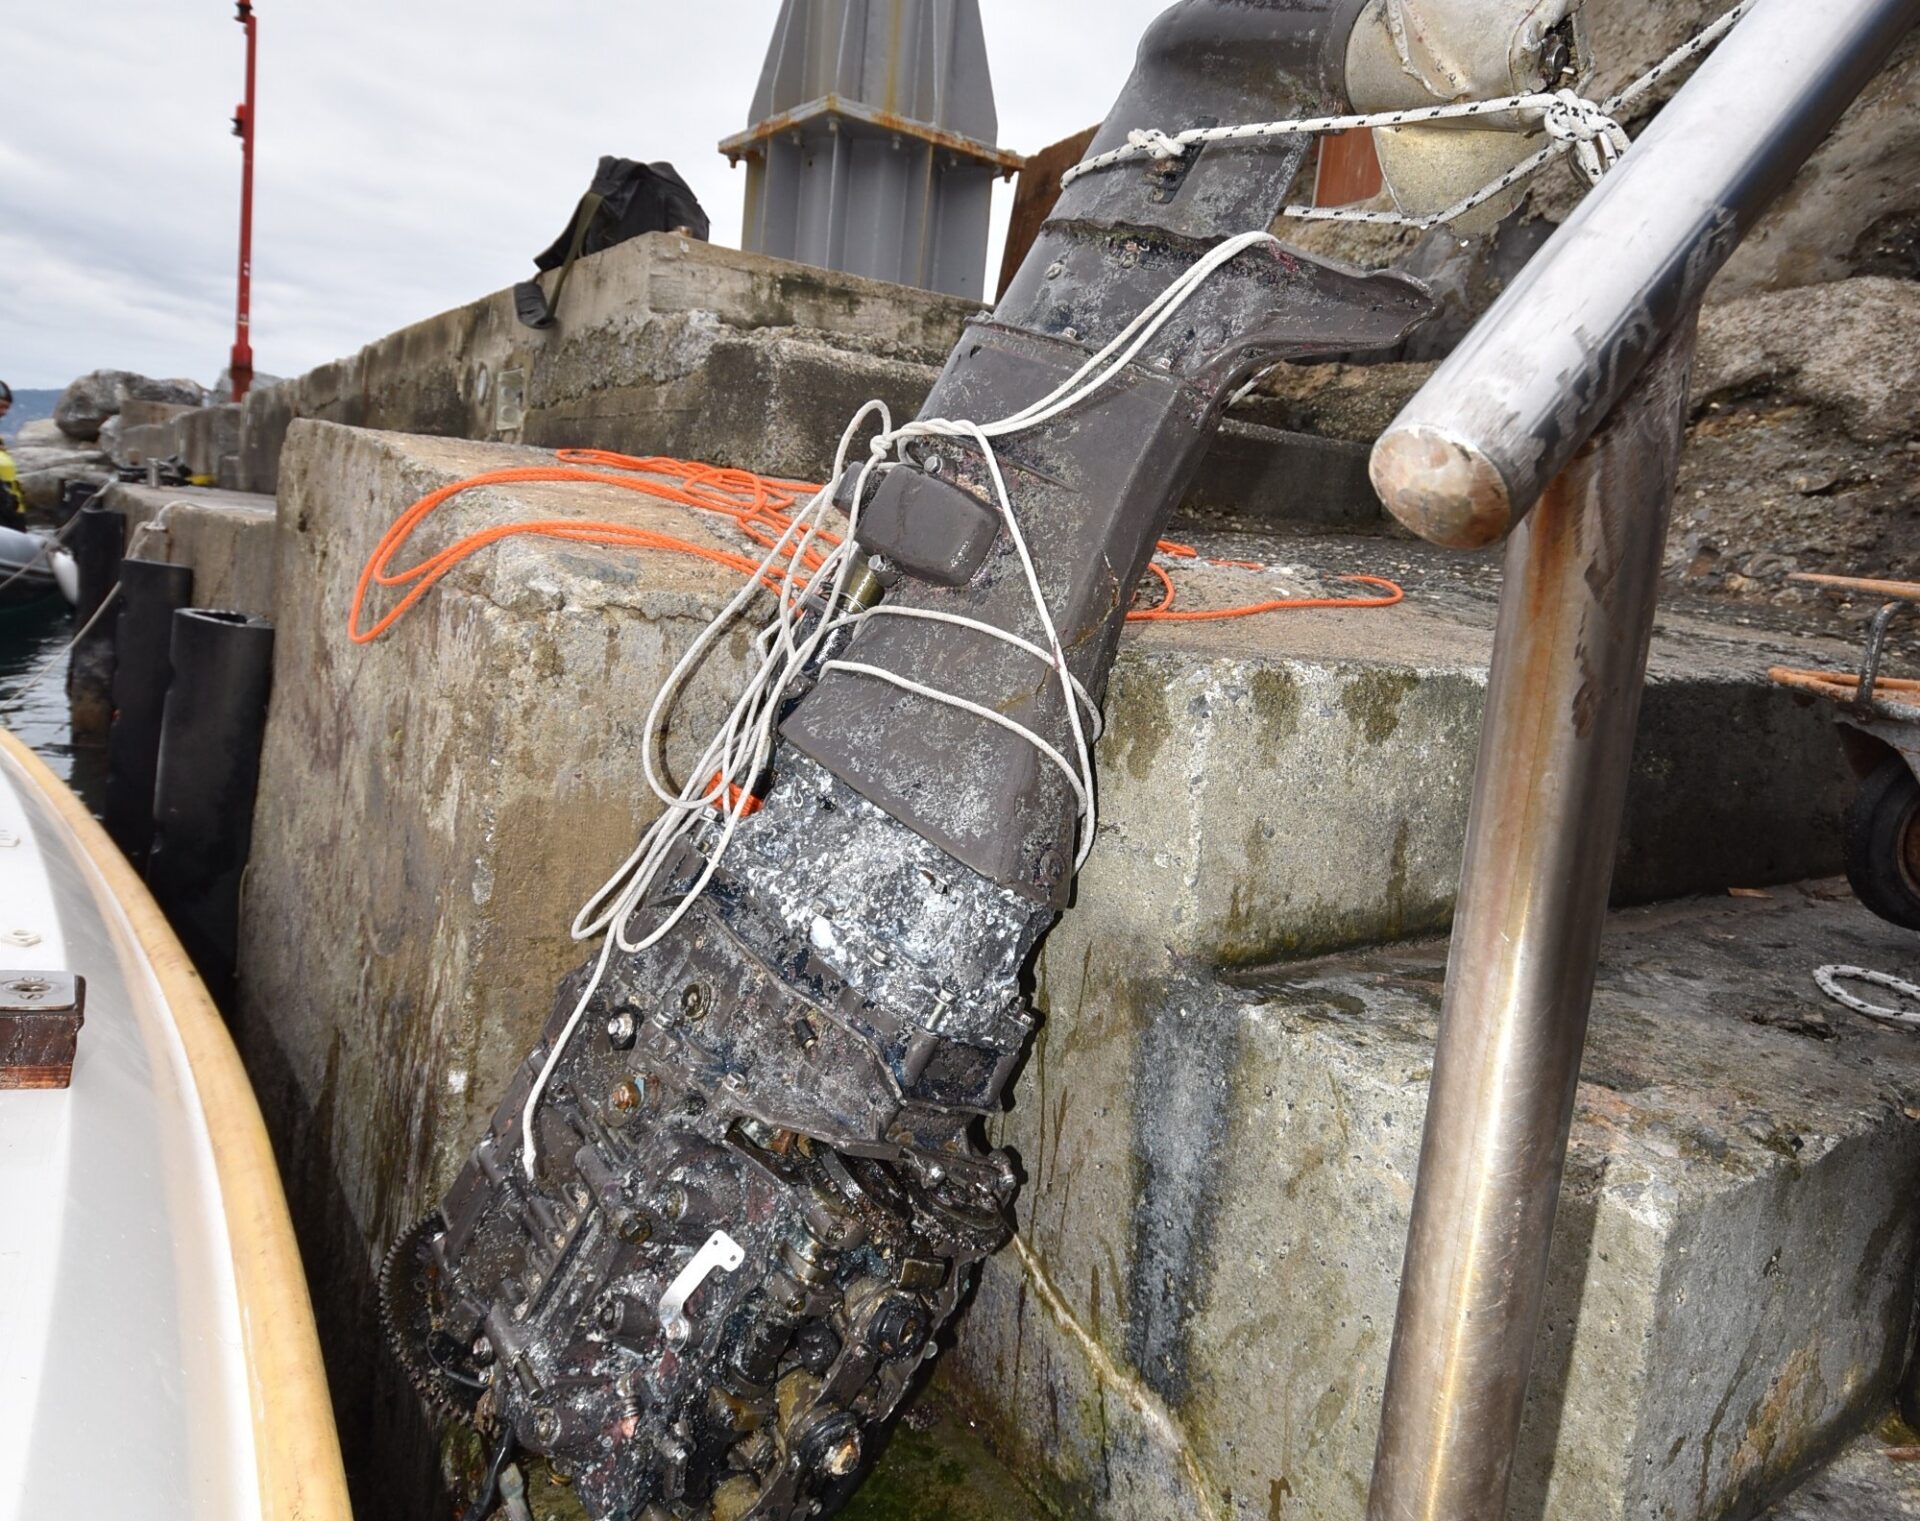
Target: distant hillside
{"points": [[28, 406]]}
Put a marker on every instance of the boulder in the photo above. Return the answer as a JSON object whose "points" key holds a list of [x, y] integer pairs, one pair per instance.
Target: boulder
{"points": [[86, 404], [43, 470], [222, 392], [42, 434], [1804, 448]]}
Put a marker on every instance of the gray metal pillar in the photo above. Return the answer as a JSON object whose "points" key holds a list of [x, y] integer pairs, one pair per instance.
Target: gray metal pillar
{"points": [[1569, 658], [1593, 334], [871, 148]]}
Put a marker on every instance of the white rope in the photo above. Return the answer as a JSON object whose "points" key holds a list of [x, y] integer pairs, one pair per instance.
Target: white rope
{"points": [[738, 753], [735, 757], [1572, 123], [137, 542], [1830, 977]]}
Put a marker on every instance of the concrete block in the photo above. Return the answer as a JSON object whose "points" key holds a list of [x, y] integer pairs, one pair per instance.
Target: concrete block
{"points": [[1196, 1317], [227, 537], [1290, 785], [435, 806], [207, 436], [140, 443], [668, 346], [639, 318]]}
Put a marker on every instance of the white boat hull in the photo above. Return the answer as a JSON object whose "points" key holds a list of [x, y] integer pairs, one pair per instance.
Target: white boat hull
{"points": [[159, 1359]]}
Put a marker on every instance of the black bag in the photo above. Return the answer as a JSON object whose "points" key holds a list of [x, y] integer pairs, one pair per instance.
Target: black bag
{"points": [[625, 200]]}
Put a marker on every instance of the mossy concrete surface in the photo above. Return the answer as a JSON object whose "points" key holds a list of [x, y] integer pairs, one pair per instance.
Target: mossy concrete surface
{"points": [[432, 810], [1874, 1478], [935, 1467], [1196, 1317]]}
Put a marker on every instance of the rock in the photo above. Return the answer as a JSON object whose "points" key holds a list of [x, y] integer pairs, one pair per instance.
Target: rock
{"points": [[43, 434], [1801, 451], [86, 404], [89, 402], [222, 392], [44, 472], [1850, 349]]}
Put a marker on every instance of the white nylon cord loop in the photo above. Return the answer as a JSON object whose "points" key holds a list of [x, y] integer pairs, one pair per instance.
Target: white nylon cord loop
{"points": [[1596, 138], [1830, 978]]}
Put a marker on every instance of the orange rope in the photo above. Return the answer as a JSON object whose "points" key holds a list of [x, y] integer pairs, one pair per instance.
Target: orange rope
{"points": [[759, 507]]}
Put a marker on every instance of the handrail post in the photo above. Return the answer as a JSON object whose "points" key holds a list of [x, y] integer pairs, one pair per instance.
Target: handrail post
{"points": [[1570, 393], [1563, 699]]}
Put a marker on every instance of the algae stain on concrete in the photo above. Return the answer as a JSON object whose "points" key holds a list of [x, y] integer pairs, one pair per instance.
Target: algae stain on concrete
{"points": [[1372, 702], [1276, 704], [1140, 717], [1255, 931]]}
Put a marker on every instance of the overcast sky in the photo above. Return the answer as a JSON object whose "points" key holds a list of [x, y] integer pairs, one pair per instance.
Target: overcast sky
{"points": [[413, 154]]}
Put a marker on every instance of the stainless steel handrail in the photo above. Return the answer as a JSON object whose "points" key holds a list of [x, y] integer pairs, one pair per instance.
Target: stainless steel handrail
{"points": [[1468, 457], [1571, 395]]}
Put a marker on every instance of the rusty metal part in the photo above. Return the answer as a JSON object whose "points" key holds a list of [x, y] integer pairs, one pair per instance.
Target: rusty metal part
{"points": [[1867, 695], [1469, 456], [1576, 617], [1900, 591], [838, 108], [443, 1372], [1838, 686], [40, 1018]]}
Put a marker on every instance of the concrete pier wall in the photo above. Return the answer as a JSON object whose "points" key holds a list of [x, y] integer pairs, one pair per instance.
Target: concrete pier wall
{"points": [[225, 536], [1196, 1318], [670, 346], [436, 805]]}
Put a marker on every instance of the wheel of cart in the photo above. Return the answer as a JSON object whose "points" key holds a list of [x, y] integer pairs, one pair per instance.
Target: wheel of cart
{"points": [[1879, 721]]}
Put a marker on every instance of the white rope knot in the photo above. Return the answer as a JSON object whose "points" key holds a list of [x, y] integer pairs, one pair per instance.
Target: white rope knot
{"points": [[1155, 143], [1596, 138]]}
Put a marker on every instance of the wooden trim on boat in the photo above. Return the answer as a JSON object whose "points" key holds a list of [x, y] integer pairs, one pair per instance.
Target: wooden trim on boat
{"points": [[296, 1442]]}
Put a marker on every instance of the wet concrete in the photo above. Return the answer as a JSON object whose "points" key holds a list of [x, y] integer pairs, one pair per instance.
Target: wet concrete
{"points": [[1875, 1478]]}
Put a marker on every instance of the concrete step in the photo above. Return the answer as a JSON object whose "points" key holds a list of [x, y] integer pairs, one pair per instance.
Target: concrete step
{"points": [[1874, 1478], [434, 807], [1195, 1318]]}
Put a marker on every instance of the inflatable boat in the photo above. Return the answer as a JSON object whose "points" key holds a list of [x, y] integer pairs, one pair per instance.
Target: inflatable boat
{"points": [[160, 1355], [33, 567]]}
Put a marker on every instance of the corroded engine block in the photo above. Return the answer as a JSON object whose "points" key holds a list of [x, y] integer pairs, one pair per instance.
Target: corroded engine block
{"points": [[760, 1192], [760, 1188]]}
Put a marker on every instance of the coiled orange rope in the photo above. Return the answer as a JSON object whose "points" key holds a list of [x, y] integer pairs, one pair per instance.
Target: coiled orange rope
{"points": [[760, 509]]}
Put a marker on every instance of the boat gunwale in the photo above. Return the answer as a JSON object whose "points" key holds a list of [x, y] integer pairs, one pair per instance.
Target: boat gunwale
{"points": [[296, 1441]]}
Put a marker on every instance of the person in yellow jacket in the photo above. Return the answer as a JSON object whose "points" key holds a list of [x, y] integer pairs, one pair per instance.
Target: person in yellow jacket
{"points": [[13, 505]]}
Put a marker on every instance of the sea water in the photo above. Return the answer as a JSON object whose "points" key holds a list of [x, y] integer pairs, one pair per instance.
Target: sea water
{"points": [[33, 695]]}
